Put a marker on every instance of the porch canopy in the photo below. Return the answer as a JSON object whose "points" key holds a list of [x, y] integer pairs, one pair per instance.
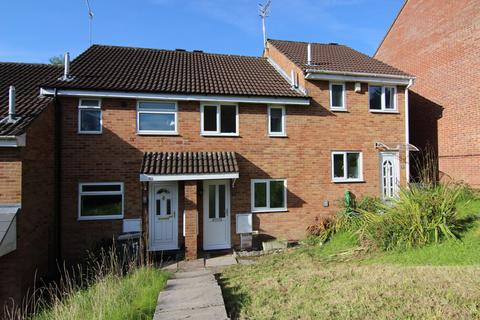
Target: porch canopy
{"points": [[182, 166]]}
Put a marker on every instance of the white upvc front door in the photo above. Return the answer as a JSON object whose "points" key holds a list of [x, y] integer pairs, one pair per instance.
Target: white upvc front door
{"points": [[216, 214], [163, 208], [389, 174]]}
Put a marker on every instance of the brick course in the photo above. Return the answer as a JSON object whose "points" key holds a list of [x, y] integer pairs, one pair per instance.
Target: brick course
{"points": [[439, 44]]}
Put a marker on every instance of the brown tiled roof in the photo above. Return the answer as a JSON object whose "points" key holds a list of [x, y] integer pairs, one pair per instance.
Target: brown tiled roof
{"points": [[26, 78], [333, 57], [171, 71], [163, 163]]}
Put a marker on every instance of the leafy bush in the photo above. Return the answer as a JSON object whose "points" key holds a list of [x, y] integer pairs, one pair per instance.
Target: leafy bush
{"points": [[418, 216]]}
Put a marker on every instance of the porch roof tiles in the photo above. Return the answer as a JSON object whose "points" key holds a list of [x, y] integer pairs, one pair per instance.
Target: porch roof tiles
{"points": [[168, 163]]}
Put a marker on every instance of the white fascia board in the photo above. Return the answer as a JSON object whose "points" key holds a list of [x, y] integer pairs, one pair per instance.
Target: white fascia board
{"points": [[185, 177], [13, 141], [357, 77], [303, 101]]}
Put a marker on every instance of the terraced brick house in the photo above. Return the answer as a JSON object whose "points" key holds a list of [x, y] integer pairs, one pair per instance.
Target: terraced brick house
{"points": [[191, 149], [28, 244], [440, 44]]}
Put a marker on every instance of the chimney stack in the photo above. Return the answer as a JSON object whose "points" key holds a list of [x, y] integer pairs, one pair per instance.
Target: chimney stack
{"points": [[309, 54], [11, 104]]}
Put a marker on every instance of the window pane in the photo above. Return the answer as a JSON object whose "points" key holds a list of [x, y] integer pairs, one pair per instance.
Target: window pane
{"points": [[159, 207], [375, 94], [228, 119], [101, 205], [101, 187], [276, 124], [389, 98], [90, 120], [337, 95], [209, 118], [157, 106], [338, 166], [89, 103], [353, 168], [221, 200], [260, 194], [157, 122], [211, 202], [277, 194]]}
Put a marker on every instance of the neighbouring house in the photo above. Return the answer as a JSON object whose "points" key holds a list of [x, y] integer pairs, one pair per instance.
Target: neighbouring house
{"points": [[27, 179], [181, 144], [440, 44]]}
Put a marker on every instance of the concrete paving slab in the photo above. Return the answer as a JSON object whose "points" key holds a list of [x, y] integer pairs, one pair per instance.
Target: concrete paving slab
{"points": [[195, 297], [221, 261], [180, 283], [211, 313]]}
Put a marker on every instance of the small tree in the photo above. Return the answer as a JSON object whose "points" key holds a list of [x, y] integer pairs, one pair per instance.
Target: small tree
{"points": [[57, 60]]}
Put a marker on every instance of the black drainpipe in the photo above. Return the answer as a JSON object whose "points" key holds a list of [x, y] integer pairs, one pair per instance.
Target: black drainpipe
{"points": [[58, 180]]}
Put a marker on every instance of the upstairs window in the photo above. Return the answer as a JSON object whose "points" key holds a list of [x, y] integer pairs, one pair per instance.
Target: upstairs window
{"points": [[157, 117], [346, 166], [219, 119], [269, 195], [89, 116], [276, 121], [100, 201], [382, 98], [337, 96]]}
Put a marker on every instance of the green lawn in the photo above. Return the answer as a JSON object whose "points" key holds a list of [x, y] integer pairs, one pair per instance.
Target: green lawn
{"points": [[131, 297], [340, 280]]}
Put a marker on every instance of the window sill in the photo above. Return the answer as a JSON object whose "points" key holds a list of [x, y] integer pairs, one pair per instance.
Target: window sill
{"points": [[269, 210], [385, 111], [338, 109], [277, 135], [219, 134], [89, 132], [348, 181], [158, 133], [100, 218]]}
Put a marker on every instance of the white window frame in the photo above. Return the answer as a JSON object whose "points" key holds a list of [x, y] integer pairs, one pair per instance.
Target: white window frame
{"points": [[283, 133], [157, 132], [267, 208], [344, 93], [383, 109], [87, 108], [218, 131], [96, 193], [345, 167]]}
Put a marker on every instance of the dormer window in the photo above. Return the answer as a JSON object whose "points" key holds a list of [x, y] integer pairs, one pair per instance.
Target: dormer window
{"points": [[90, 116]]}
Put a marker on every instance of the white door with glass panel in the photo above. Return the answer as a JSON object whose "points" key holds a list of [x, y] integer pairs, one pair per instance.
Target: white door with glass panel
{"points": [[389, 174], [216, 214], [163, 216]]}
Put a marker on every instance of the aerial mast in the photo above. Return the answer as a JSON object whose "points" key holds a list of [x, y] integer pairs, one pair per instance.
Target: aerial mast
{"points": [[263, 12], [90, 22]]}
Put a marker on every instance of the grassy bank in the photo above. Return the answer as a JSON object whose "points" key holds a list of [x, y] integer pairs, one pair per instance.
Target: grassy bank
{"points": [[343, 280], [133, 296]]}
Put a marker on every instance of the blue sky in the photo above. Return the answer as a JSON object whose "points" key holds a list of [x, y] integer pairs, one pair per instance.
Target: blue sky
{"points": [[34, 30]]}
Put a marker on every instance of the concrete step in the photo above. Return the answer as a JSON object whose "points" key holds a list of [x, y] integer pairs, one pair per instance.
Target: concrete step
{"points": [[191, 274], [211, 313], [186, 283]]}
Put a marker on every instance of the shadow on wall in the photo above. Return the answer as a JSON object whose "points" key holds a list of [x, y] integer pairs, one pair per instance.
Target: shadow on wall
{"points": [[424, 115]]}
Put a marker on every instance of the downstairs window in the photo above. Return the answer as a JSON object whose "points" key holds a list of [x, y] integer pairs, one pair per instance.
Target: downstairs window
{"points": [[100, 201], [269, 195]]}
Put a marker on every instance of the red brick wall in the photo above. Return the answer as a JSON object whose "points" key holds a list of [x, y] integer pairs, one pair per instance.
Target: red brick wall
{"points": [[438, 43], [32, 179], [303, 158]]}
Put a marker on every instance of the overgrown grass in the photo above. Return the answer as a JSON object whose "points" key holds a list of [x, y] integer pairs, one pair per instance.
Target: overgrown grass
{"points": [[113, 284], [112, 297], [342, 279]]}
